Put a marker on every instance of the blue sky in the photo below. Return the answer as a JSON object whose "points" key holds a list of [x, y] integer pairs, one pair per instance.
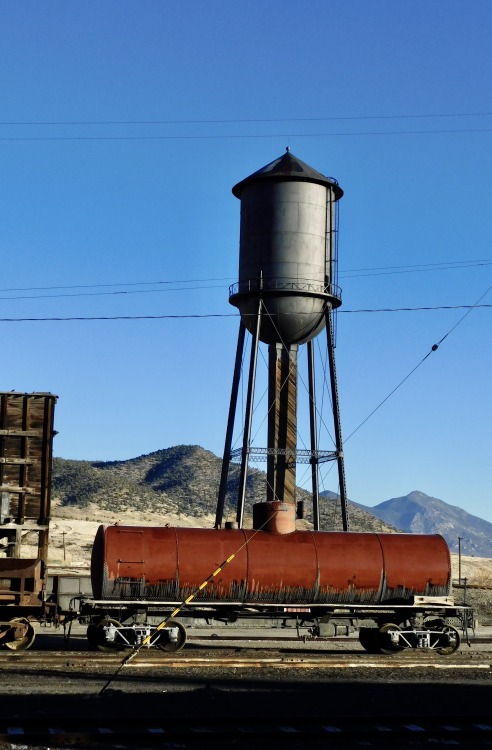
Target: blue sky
{"points": [[124, 126]]}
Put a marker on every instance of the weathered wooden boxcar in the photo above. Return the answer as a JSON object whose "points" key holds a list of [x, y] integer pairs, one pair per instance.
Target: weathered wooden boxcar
{"points": [[26, 452]]}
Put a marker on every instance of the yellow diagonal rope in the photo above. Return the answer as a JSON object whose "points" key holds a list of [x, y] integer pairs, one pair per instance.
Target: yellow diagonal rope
{"points": [[186, 601]]}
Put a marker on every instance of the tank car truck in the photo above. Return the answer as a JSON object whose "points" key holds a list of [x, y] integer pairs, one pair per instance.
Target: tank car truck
{"points": [[26, 441]]}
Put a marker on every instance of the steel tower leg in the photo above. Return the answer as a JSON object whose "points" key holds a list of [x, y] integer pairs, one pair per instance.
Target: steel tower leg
{"points": [[336, 418], [226, 460], [248, 419], [314, 435]]}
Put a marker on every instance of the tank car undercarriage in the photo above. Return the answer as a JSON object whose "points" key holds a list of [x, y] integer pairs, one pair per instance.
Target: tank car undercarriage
{"points": [[434, 626]]}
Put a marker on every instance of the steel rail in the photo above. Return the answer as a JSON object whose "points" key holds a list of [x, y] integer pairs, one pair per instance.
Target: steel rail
{"points": [[376, 731], [149, 660]]}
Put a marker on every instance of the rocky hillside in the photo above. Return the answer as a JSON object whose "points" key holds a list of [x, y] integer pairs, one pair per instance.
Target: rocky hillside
{"points": [[179, 482], [179, 485]]}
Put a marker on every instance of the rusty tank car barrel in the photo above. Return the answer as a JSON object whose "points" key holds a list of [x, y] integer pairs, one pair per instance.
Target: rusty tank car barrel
{"points": [[304, 567]]}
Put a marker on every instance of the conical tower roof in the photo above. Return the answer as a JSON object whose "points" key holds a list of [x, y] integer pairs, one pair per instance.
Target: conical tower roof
{"points": [[288, 167]]}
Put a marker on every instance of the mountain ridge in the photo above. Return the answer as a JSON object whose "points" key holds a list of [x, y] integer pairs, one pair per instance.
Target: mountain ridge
{"points": [[182, 481], [419, 513]]}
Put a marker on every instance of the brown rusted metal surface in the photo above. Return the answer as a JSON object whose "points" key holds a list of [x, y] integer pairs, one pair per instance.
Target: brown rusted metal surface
{"points": [[274, 517], [351, 566], [408, 566], [282, 423], [168, 564], [21, 582]]}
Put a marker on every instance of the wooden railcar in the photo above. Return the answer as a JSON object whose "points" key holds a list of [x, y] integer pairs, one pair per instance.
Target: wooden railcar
{"points": [[26, 457]]}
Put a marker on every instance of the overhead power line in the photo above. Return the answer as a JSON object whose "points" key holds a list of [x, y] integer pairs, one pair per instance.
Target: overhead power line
{"points": [[168, 283], [121, 292], [239, 136], [414, 269], [443, 265], [433, 349], [117, 317], [230, 315], [237, 120], [99, 286], [412, 309]]}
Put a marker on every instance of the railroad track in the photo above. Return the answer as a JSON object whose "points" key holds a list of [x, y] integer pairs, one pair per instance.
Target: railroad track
{"points": [[276, 732], [143, 708], [348, 640], [155, 660]]}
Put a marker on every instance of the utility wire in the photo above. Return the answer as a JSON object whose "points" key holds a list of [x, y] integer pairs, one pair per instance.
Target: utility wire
{"points": [[230, 315], [118, 317], [410, 270], [120, 292], [249, 120], [443, 266], [434, 348], [226, 136], [412, 309], [105, 286]]}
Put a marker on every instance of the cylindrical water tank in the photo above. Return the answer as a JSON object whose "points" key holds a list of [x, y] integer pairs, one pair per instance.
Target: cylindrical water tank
{"points": [[169, 564], [287, 250]]}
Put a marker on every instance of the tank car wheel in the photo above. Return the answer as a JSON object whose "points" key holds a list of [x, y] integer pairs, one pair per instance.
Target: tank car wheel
{"points": [[97, 637], [164, 644], [368, 639], [454, 638], [385, 645], [21, 644]]}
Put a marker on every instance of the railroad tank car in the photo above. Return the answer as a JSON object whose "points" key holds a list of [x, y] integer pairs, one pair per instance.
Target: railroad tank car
{"points": [[393, 588], [303, 567]]}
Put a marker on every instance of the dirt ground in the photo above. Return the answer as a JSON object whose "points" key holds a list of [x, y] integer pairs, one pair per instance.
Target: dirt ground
{"points": [[72, 531]]}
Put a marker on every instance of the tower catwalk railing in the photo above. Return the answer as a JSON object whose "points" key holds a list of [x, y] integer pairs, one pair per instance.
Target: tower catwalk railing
{"points": [[286, 284], [299, 455]]}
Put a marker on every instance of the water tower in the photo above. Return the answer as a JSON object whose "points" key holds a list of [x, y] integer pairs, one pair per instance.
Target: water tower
{"points": [[286, 293]]}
